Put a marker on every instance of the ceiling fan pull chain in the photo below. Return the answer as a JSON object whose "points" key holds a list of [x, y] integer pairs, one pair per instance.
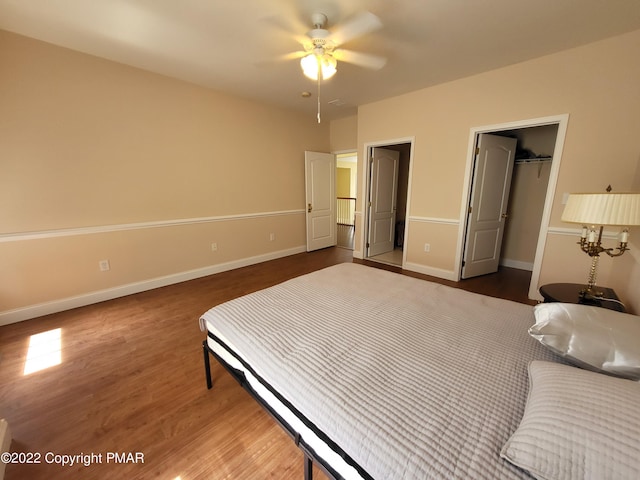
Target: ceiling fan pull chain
{"points": [[319, 77], [320, 57]]}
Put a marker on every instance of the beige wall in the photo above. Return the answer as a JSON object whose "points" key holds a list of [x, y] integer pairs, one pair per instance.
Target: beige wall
{"points": [[104, 161], [526, 202], [352, 166], [628, 273], [597, 85], [343, 182], [629, 278], [344, 134]]}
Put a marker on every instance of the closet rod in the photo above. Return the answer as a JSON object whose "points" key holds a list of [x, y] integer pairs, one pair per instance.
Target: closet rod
{"points": [[534, 160]]}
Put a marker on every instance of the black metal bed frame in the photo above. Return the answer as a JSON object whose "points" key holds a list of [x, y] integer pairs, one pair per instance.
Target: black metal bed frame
{"points": [[309, 455]]}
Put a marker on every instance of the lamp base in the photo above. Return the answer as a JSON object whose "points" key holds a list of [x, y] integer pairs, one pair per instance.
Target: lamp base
{"points": [[591, 283], [590, 293]]}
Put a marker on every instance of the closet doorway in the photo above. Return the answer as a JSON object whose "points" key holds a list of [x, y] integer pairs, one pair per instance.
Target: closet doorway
{"points": [[525, 215], [387, 187]]}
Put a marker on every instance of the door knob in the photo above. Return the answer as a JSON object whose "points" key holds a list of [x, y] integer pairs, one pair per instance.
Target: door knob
{"points": [[309, 208], [505, 215]]}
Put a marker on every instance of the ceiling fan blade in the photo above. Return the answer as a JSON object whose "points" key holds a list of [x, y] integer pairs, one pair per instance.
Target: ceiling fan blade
{"points": [[286, 26], [367, 60], [292, 55], [360, 25], [281, 58]]}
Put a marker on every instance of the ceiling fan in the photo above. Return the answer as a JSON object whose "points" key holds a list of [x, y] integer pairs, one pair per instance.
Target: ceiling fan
{"points": [[321, 48]]}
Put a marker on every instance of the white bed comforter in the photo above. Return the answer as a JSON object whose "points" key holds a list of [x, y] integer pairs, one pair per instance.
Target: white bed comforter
{"points": [[412, 379]]}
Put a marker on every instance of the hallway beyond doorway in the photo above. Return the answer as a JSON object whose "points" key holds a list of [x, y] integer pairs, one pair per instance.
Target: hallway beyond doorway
{"points": [[345, 237], [394, 257]]}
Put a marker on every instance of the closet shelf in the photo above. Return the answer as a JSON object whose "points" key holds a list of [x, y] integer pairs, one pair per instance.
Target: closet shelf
{"points": [[534, 160]]}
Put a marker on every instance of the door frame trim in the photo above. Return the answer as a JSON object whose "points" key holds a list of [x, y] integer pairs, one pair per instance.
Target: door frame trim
{"points": [[365, 187], [562, 121]]}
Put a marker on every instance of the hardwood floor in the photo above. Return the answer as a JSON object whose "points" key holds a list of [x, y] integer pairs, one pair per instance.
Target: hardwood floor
{"points": [[131, 380], [508, 283]]}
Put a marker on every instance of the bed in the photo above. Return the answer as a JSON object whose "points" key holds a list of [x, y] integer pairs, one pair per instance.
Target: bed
{"points": [[378, 375]]}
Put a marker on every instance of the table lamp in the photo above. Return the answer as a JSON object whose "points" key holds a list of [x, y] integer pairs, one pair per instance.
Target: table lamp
{"points": [[594, 211]]}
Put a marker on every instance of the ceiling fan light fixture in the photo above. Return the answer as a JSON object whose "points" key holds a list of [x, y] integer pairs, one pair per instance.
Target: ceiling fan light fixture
{"points": [[312, 64]]}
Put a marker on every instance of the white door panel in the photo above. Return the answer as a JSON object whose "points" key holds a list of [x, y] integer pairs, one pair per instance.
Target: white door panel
{"points": [[322, 226], [382, 215], [484, 245], [488, 210], [320, 192]]}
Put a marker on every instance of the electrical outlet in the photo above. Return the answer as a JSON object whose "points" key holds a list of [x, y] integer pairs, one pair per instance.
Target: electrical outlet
{"points": [[272, 237], [104, 265], [214, 247], [427, 247]]}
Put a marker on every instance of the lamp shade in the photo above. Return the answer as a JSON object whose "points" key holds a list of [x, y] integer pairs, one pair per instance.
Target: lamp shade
{"points": [[603, 209]]}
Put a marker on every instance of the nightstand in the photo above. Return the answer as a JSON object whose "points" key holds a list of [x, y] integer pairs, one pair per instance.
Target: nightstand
{"points": [[570, 293]]}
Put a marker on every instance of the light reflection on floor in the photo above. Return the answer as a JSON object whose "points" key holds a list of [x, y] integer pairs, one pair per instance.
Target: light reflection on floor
{"points": [[44, 351]]}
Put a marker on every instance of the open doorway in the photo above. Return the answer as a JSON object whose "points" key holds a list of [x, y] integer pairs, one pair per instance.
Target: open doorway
{"points": [[386, 205], [346, 188], [525, 208]]}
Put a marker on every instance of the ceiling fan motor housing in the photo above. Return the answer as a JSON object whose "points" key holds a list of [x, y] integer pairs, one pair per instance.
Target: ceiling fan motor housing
{"points": [[318, 20], [319, 36]]}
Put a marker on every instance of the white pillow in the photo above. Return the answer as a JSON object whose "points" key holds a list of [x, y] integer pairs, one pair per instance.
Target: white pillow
{"points": [[577, 425], [591, 337]]}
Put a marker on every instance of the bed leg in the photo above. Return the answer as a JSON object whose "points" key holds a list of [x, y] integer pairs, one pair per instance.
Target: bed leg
{"points": [[207, 365], [308, 468]]}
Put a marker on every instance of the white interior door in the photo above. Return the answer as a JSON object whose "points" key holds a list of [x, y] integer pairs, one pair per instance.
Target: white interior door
{"points": [[382, 200], [320, 180], [492, 173]]}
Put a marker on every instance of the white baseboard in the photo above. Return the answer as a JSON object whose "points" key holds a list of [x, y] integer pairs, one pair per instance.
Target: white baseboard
{"points": [[38, 310], [505, 262], [434, 272], [5, 442]]}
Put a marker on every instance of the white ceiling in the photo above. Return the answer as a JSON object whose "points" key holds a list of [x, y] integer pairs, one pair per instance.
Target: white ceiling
{"points": [[232, 46]]}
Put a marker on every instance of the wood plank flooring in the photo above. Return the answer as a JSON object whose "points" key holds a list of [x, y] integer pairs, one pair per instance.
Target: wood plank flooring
{"points": [[132, 380]]}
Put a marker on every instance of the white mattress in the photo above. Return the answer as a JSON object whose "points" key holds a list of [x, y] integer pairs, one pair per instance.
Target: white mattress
{"points": [[386, 376], [310, 436]]}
